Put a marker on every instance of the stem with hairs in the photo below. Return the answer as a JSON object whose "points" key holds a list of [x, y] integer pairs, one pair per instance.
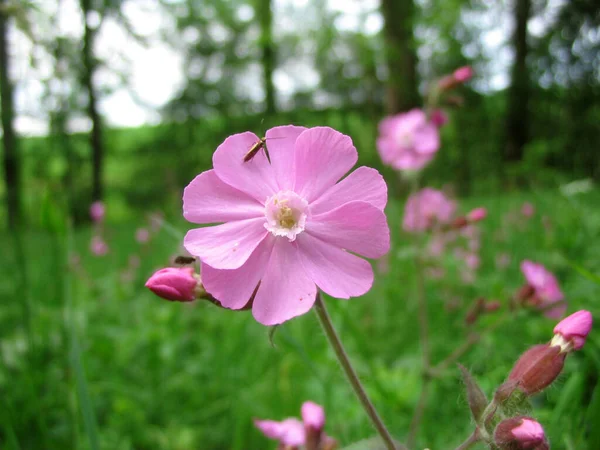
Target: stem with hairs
{"points": [[357, 386]]}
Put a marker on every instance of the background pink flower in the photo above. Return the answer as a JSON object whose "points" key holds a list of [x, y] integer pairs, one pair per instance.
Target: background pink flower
{"points": [[546, 289], [408, 140], [97, 211], [98, 246], [427, 208], [290, 225]]}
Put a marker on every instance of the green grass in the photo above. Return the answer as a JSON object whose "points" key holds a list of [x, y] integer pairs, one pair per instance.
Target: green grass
{"points": [[89, 360]]}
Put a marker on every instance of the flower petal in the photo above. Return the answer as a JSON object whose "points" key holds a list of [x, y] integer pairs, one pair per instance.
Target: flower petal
{"points": [[226, 246], [233, 288], [364, 184], [254, 177], [322, 156], [285, 291], [281, 142], [337, 272], [207, 199], [357, 226]]}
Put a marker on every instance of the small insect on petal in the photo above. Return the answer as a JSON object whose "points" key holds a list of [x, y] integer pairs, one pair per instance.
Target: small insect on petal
{"points": [[256, 147]]}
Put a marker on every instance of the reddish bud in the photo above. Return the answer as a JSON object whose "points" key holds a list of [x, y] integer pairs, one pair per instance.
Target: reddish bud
{"points": [[572, 331], [438, 118], [520, 433], [477, 215], [526, 292], [492, 305], [463, 74], [537, 368], [459, 222], [176, 284]]}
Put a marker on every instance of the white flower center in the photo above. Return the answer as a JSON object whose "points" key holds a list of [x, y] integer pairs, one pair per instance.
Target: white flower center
{"points": [[405, 139], [286, 214]]}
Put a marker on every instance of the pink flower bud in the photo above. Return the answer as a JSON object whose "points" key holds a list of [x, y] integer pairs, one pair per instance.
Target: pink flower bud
{"points": [[477, 215], [528, 210], [438, 117], [175, 283], [313, 415], [98, 246], [97, 211], [142, 235], [537, 368], [463, 74], [287, 432], [519, 433], [571, 332]]}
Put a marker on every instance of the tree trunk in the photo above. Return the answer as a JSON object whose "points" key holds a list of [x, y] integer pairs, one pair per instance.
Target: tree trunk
{"points": [[267, 45], [96, 141], [9, 139], [403, 93], [517, 119]]}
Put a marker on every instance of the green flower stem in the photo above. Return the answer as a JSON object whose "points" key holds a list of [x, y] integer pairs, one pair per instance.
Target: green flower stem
{"points": [[358, 388]]}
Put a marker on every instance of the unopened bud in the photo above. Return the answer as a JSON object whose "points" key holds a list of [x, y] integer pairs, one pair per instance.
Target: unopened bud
{"points": [[537, 368], [571, 332], [439, 118], [460, 222], [463, 74], [179, 284], [477, 215], [313, 417], [520, 433], [475, 396], [526, 292], [97, 211], [492, 305]]}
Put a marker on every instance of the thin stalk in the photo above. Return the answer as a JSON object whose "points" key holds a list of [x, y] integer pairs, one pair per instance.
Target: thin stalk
{"points": [[358, 388], [471, 440], [423, 319]]}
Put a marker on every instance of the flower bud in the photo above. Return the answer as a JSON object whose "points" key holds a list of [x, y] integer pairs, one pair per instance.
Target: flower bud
{"points": [[176, 284], [97, 211], [571, 332], [313, 417], [537, 368], [477, 215], [463, 74], [438, 118], [520, 433]]}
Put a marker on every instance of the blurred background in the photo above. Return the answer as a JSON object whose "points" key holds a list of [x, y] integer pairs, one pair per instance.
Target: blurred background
{"points": [[124, 102]]}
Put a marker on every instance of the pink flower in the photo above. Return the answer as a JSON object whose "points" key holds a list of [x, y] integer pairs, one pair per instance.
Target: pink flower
{"points": [[97, 211], [427, 208], [477, 215], [545, 289], [295, 433], [289, 224], [142, 235], [174, 283], [408, 140], [287, 432], [463, 74], [528, 210], [472, 261], [98, 246], [439, 118], [574, 329], [520, 433]]}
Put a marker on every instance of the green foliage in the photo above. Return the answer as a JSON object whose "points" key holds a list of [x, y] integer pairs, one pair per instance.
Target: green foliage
{"points": [[95, 350]]}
